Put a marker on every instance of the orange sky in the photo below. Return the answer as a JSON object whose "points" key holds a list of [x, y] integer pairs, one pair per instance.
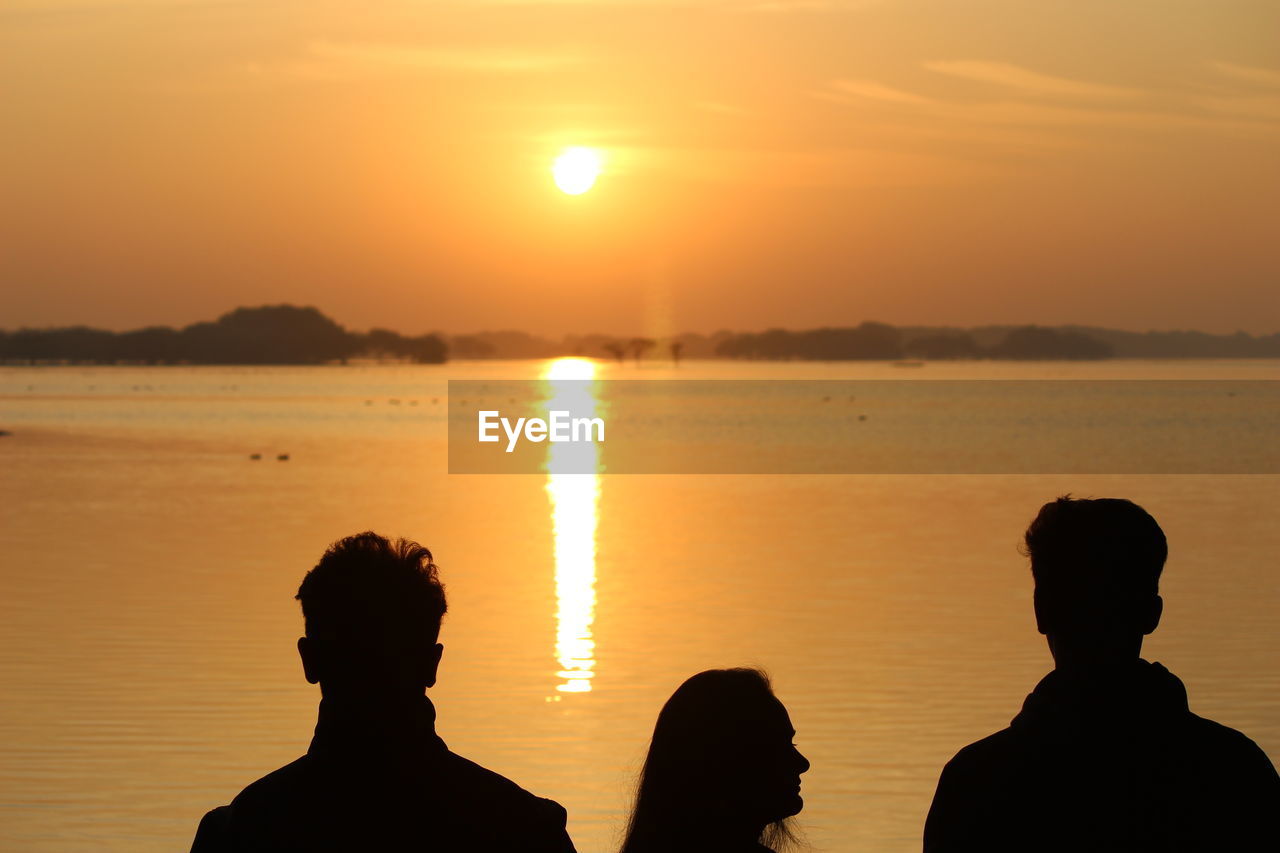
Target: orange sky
{"points": [[768, 163]]}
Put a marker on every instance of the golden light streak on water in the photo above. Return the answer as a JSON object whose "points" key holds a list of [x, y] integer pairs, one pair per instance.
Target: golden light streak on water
{"points": [[575, 500]]}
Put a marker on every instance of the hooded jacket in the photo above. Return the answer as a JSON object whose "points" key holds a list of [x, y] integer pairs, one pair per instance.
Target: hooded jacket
{"points": [[1115, 763]]}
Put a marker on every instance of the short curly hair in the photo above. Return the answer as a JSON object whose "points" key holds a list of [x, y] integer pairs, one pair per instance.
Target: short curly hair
{"points": [[1103, 548], [367, 585]]}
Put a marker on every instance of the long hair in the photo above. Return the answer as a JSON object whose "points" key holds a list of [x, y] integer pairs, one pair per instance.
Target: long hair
{"points": [[704, 743]]}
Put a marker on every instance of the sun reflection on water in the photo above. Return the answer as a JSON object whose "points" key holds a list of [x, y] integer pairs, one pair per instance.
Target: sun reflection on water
{"points": [[575, 502]]}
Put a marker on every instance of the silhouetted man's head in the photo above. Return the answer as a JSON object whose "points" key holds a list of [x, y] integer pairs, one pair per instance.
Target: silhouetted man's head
{"points": [[372, 609], [1097, 568]]}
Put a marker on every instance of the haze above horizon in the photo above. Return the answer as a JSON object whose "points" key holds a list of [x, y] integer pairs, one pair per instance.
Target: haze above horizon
{"points": [[920, 162]]}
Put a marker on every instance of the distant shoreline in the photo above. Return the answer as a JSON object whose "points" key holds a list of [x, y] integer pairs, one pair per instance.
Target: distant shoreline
{"points": [[280, 335], [648, 362]]}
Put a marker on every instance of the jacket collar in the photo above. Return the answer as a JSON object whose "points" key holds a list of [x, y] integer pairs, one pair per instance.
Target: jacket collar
{"points": [[1143, 693], [360, 731]]}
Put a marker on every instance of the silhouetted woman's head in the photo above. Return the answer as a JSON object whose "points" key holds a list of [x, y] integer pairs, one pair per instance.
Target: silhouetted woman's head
{"points": [[722, 771]]}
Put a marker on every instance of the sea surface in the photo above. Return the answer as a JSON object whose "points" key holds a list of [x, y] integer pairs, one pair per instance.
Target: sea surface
{"points": [[148, 566]]}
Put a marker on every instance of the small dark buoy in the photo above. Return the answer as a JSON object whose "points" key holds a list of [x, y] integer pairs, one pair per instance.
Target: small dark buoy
{"points": [[283, 457], [862, 417], [5, 432], [255, 455], [826, 399]]}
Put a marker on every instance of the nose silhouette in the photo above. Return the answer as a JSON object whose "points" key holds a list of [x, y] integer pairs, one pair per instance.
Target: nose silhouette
{"points": [[802, 763]]}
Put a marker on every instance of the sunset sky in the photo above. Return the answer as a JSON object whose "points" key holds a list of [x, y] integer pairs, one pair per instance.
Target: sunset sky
{"points": [[1109, 162]]}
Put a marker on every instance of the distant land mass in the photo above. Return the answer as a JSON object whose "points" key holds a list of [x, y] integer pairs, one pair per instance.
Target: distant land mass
{"points": [[271, 334], [880, 341], [287, 334]]}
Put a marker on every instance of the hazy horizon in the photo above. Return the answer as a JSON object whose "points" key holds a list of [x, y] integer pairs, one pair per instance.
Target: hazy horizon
{"points": [[765, 163], [557, 337]]}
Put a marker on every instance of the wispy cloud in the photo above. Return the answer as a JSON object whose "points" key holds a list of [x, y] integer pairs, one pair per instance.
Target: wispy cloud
{"points": [[768, 6], [1066, 118], [475, 60], [877, 92], [1037, 121], [721, 108], [775, 6], [808, 167], [1268, 77], [1259, 108], [1025, 80], [339, 60]]}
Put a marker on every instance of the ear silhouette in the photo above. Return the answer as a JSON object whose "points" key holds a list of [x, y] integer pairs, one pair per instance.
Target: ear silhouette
{"points": [[433, 665], [310, 665], [1151, 618], [1044, 620]]}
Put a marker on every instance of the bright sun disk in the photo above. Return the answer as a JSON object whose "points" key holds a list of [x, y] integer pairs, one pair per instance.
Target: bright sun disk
{"points": [[576, 169]]}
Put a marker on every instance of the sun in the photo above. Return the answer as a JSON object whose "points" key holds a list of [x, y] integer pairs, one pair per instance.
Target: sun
{"points": [[576, 169]]}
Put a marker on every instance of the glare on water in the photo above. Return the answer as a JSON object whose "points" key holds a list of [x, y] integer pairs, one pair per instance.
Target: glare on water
{"points": [[574, 509]]}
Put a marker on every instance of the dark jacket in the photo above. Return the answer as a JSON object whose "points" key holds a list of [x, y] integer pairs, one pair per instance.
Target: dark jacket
{"points": [[360, 787], [1114, 765]]}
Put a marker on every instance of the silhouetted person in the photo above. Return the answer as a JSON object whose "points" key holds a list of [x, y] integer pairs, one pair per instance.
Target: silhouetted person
{"points": [[722, 774], [1106, 755], [377, 777]]}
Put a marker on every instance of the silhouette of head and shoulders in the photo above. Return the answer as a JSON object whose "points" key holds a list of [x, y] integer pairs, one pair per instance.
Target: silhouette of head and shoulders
{"points": [[1105, 754], [376, 775], [722, 774]]}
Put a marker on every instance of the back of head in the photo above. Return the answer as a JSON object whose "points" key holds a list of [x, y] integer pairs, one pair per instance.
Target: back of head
{"points": [[372, 609], [715, 738], [1096, 565]]}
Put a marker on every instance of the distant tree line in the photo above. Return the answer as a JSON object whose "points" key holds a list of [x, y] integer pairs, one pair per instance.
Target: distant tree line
{"points": [[285, 334], [1185, 344], [881, 341], [877, 341], [869, 340], [272, 334]]}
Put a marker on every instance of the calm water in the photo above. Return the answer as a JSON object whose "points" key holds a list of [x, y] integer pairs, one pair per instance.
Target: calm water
{"points": [[147, 622]]}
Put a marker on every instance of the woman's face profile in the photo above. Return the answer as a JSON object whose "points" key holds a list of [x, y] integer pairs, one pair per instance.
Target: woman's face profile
{"points": [[772, 788]]}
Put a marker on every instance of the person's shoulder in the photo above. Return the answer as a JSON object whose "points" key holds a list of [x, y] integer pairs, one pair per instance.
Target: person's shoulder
{"points": [[1000, 745], [213, 835], [221, 827], [969, 786], [485, 785], [286, 783], [1221, 736], [501, 814], [1225, 745]]}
